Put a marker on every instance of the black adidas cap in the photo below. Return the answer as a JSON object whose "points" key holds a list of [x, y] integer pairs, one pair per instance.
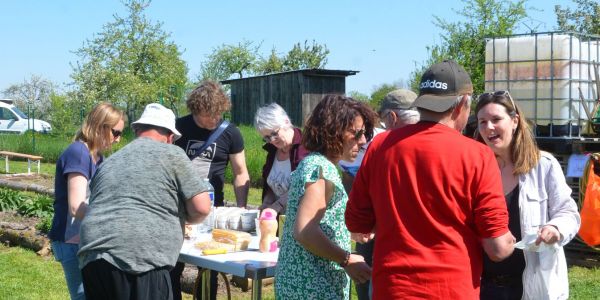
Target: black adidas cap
{"points": [[441, 84]]}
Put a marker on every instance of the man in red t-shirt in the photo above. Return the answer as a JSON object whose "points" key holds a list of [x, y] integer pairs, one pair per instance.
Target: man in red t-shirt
{"points": [[433, 198]]}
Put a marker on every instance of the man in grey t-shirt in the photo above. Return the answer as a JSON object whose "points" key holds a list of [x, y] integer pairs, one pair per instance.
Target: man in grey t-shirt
{"points": [[141, 197]]}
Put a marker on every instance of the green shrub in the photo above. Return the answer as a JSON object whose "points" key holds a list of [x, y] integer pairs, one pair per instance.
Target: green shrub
{"points": [[10, 199], [26, 204], [37, 206], [44, 224]]}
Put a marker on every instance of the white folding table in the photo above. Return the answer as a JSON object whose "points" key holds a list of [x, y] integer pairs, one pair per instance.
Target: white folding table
{"points": [[250, 264]]}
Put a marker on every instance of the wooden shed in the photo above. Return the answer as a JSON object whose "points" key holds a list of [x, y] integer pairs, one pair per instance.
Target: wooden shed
{"points": [[298, 92]]}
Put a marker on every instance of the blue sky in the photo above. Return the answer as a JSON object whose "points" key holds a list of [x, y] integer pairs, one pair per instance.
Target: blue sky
{"points": [[381, 39]]}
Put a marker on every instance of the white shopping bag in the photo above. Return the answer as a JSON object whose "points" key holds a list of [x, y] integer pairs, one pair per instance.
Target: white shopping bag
{"points": [[528, 244]]}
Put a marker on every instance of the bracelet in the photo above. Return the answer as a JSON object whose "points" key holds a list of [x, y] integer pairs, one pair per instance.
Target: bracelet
{"points": [[346, 260]]}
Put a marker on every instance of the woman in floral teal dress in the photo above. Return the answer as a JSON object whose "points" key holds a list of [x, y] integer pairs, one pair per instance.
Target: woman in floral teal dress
{"points": [[315, 260]]}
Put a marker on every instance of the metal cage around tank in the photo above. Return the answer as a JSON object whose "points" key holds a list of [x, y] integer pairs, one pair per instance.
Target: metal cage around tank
{"points": [[552, 77]]}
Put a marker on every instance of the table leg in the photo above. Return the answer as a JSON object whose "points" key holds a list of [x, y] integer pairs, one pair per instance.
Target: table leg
{"points": [[205, 284], [256, 289]]}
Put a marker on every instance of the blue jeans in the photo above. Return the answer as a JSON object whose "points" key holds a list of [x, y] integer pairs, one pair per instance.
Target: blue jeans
{"points": [[66, 254]]}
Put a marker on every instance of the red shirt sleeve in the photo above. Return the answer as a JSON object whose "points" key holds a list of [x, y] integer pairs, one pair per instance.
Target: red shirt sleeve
{"points": [[360, 217], [489, 207]]}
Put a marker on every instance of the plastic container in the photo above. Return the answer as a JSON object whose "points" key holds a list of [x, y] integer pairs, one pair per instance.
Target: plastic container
{"points": [[234, 222], [268, 231], [544, 72], [211, 192], [247, 219], [209, 222]]}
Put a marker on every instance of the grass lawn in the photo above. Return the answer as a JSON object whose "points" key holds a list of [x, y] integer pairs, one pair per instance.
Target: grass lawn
{"points": [[584, 283], [25, 275]]}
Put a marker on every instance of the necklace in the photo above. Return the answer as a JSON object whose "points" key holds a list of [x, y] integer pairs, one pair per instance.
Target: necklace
{"points": [[505, 166]]}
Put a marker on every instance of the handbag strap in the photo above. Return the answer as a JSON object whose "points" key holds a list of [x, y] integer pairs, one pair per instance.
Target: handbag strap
{"points": [[213, 137]]}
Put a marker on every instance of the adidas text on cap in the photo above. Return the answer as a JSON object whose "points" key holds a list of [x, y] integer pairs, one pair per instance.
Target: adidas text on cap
{"points": [[441, 84]]}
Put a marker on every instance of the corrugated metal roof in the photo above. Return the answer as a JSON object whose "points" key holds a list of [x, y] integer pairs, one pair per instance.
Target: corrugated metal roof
{"points": [[307, 72]]}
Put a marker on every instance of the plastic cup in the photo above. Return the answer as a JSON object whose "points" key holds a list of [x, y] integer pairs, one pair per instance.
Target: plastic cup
{"points": [[221, 221], [247, 218], [233, 222]]}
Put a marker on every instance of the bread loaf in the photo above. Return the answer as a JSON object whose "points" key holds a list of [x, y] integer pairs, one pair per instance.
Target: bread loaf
{"points": [[212, 247], [238, 238]]}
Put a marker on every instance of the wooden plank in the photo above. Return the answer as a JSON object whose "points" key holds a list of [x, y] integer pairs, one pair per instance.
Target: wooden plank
{"points": [[21, 155]]}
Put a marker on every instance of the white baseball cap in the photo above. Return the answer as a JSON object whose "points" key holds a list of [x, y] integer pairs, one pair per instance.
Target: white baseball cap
{"points": [[158, 115]]}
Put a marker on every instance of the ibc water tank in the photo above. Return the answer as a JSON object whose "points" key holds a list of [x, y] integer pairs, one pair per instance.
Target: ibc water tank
{"points": [[544, 72]]}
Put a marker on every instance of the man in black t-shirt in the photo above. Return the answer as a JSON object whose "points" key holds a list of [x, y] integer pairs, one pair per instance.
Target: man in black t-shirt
{"points": [[206, 104], [211, 163]]}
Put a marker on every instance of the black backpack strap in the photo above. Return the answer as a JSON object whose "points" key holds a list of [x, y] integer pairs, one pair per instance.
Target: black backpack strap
{"points": [[212, 138]]}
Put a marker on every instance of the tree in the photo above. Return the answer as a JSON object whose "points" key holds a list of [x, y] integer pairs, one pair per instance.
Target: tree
{"points": [[32, 94], [379, 93], [244, 60], [227, 60], [64, 113], [131, 63], [464, 41], [356, 95], [273, 64], [308, 57], [585, 18], [434, 57]]}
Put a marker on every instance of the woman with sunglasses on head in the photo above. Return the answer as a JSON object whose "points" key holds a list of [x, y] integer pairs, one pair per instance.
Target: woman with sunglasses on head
{"points": [[75, 167], [539, 204], [314, 259], [283, 143]]}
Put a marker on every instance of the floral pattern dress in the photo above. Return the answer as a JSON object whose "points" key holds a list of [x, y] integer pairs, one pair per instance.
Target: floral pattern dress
{"points": [[300, 274]]}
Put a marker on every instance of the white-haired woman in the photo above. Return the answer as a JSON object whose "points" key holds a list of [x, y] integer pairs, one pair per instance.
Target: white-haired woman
{"points": [[284, 153]]}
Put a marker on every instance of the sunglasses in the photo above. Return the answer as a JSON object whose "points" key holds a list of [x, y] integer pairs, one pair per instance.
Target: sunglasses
{"points": [[358, 133], [273, 135], [116, 133], [500, 94]]}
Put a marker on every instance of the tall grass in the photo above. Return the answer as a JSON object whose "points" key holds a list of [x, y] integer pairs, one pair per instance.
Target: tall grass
{"points": [[50, 146], [255, 156]]}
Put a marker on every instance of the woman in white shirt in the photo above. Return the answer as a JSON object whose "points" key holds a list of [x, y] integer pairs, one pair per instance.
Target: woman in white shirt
{"points": [[539, 204]]}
